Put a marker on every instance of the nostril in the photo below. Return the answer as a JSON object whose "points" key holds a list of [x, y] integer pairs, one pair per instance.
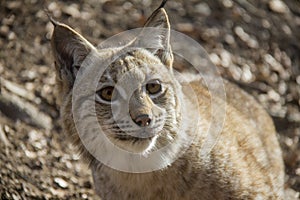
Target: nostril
{"points": [[143, 120]]}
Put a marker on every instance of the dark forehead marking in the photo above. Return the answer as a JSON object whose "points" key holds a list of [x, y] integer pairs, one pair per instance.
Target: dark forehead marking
{"points": [[128, 61]]}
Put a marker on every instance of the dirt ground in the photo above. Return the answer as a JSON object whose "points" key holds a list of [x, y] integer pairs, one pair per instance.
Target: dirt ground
{"points": [[254, 43]]}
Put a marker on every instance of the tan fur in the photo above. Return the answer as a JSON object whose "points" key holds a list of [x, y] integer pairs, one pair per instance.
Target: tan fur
{"points": [[245, 163]]}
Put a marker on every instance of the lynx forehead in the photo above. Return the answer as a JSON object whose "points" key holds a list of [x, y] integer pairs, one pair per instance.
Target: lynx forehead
{"points": [[133, 62]]}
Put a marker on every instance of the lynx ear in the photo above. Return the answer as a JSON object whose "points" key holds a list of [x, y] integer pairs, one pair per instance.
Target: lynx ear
{"points": [[156, 32], [69, 49]]}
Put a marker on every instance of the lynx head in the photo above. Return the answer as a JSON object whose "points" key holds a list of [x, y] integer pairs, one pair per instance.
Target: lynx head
{"points": [[137, 97]]}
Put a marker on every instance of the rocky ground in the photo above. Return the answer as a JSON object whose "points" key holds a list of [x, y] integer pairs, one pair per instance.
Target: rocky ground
{"points": [[253, 43]]}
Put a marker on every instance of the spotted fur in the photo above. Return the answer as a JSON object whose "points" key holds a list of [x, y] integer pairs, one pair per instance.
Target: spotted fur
{"points": [[245, 163]]}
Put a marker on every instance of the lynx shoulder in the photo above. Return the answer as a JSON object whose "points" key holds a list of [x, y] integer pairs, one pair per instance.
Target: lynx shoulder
{"points": [[143, 106]]}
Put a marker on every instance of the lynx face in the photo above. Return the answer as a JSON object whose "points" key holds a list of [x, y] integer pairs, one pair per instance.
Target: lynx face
{"points": [[136, 101]]}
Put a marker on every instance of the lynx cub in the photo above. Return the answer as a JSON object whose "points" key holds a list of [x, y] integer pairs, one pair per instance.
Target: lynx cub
{"points": [[244, 163]]}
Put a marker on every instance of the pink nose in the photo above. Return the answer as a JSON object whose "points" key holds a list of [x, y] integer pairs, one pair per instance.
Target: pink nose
{"points": [[142, 120]]}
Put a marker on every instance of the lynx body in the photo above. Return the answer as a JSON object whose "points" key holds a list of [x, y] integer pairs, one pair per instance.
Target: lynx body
{"points": [[245, 162]]}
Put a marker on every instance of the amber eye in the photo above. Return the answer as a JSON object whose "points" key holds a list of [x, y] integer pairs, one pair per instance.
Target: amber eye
{"points": [[106, 93], [154, 87]]}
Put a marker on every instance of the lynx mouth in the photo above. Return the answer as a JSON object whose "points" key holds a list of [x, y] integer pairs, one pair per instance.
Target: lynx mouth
{"points": [[132, 138], [146, 134]]}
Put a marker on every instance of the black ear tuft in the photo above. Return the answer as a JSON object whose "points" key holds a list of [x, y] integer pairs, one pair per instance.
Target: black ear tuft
{"points": [[54, 22], [162, 4]]}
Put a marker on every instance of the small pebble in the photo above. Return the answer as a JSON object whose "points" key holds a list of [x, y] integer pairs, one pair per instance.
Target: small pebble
{"points": [[185, 27], [250, 41], [227, 3], [236, 72], [287, 29], [11, 36], [30, 154], [247, 74], [14, 5], [72, 10], [273, 95], [298, 80], [203, 9], [229, 39], [225, 58], [4, 30], [84, 196], [215, 58], [61, 182], [265, 23], [278, 6], [282, 87]]}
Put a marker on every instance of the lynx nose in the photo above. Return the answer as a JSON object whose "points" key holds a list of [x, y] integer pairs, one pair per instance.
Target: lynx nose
{"points": [[142, 120]]}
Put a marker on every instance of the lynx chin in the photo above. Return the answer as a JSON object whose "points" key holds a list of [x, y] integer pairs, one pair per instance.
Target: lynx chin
{"points": [[161, 117]]}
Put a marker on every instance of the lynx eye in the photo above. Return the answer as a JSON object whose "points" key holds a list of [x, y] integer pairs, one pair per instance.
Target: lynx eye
{"points": [[154, 87], [106, 93]]}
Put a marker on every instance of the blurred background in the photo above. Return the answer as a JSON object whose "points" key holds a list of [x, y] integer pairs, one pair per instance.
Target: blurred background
{"points": [[254, 43]]}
